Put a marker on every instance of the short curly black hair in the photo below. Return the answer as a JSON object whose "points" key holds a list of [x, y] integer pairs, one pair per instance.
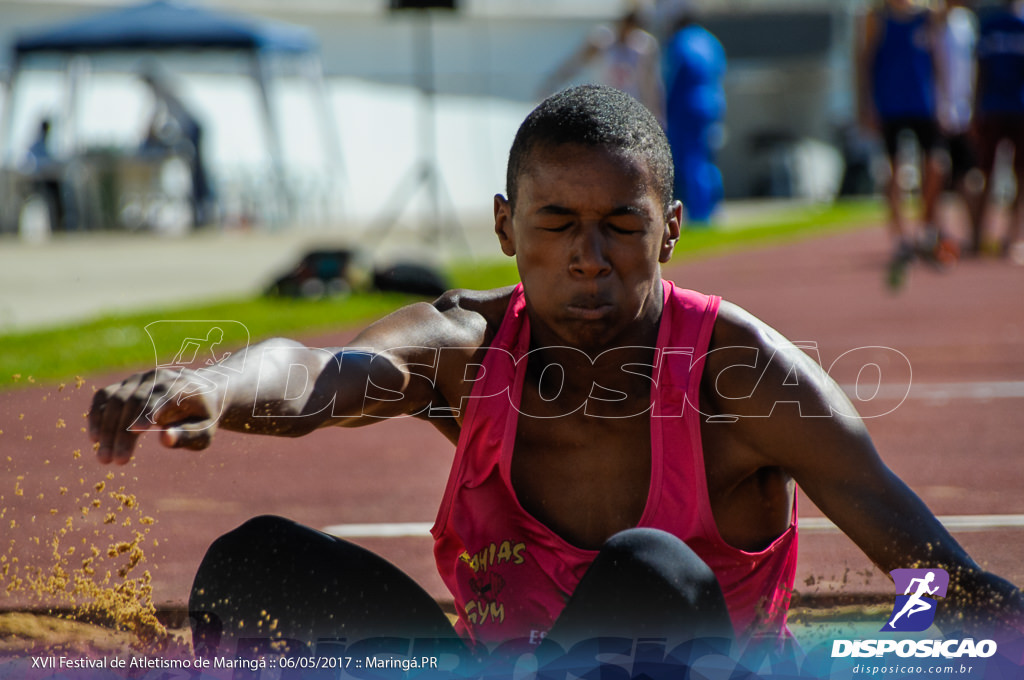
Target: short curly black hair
{"points": [[593, 115]]}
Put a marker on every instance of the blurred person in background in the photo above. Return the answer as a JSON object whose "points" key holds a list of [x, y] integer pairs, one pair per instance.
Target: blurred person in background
{"points": [[957, 42], [44, 172], [897, 87], [39, 150], [694, 65], [624, 56], [175, 128], [999, 113]]}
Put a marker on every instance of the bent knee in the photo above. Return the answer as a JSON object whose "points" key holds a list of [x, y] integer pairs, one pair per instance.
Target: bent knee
{"points": [[660, 552], [257, 531], [263, 524]]}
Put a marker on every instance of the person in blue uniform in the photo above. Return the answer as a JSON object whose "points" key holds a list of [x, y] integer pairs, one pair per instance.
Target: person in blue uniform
{"points": [[694, 66], [999, 115], [898, 96]]}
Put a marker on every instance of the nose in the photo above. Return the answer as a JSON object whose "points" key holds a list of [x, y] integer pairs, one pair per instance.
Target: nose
{"points": [[589, 256]]}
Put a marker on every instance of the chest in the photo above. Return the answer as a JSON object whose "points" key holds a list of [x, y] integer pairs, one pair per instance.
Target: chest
{"points": [[584, 476], [588, 477]]}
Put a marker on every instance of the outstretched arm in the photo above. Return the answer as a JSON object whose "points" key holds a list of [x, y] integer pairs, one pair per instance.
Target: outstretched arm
{"points": [[282, 387], [814, 435]]}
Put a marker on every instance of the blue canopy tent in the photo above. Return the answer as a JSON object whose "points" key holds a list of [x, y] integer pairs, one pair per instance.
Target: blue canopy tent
{"points": [[162, 24], [165, 26]]}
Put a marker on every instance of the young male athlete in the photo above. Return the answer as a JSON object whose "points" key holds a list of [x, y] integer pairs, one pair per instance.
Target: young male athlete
{"points": [[627, 450], [898, 95], [1000, 108]]}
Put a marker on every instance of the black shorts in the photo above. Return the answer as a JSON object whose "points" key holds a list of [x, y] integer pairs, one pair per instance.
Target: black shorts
{"points": [[993, 129], [962, 155], [926, 130]]}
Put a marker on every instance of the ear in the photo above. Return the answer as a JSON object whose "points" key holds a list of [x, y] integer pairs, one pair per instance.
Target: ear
{"points": [[673, 226], [503, 225]]}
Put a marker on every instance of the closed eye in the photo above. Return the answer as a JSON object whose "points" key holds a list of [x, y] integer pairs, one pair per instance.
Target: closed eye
{"points": [[626, 225], [624, 230]]}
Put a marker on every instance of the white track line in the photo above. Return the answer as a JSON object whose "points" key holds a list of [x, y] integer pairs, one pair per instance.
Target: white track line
{"points": [[983, 391], [383, 530], [812, 524], [951, 522]]}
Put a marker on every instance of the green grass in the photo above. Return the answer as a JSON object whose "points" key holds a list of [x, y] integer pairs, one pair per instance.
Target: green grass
{"points": [[117, 342], [777, 226]]}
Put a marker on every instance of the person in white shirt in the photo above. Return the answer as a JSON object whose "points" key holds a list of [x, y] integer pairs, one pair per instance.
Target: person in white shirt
{"points": [[622, 55]]}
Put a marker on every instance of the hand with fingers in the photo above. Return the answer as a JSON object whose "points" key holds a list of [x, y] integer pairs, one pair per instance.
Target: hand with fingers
{"points": [[182, 404]]}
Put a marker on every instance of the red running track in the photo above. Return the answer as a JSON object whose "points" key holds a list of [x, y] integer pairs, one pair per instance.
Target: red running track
{"points": [[960, 450]]}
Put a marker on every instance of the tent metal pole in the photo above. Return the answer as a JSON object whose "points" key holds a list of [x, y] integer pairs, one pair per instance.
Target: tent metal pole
{"points": [[424, 51], [273, 135], [75, 71], [313, 68], [328, 121], [8, 209], [7, 113]]}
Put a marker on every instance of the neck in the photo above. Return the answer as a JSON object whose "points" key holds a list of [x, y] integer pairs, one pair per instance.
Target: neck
{"points": [[584, 364]]}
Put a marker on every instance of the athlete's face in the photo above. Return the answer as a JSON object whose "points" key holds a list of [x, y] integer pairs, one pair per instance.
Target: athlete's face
{"points": [[588, 232]]}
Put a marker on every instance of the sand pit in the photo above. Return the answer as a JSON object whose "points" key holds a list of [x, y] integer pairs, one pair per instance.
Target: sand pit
{"points": [[25, 634]]}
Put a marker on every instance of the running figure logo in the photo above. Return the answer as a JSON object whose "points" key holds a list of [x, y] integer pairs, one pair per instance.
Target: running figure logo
{"points": [[914, 610], [198, 343]]}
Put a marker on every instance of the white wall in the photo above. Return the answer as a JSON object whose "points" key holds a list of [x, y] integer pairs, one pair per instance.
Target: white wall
{"points": [[490, 58]]}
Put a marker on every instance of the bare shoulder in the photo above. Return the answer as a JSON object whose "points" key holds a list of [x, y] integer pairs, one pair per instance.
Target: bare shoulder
{"points": [[738, 356], [458, 318], [482, 310], [736, 327], [472, 316], [751, 368]]}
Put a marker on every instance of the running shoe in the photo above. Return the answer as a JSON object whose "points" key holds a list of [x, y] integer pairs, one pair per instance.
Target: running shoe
{"points": [[896, 274], [947, 251], [938, 251]]}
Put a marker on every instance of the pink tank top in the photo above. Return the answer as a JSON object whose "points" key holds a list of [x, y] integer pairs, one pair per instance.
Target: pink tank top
{"points": [[510, 575]]}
